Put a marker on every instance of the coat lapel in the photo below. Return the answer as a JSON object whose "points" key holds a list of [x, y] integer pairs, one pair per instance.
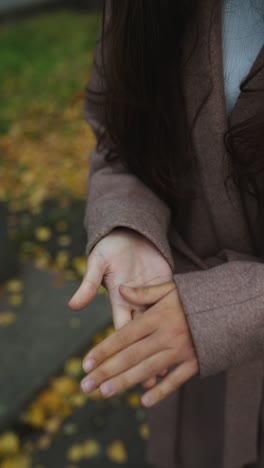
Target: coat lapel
{"points": [[203, 79]]}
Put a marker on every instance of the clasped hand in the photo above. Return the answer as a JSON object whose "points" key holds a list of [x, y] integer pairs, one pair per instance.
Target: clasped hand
{"points": [[160, 338]]}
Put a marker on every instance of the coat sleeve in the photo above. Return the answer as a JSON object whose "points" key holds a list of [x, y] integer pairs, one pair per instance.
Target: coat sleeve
{"points": [[224, 307], [115, 197]]}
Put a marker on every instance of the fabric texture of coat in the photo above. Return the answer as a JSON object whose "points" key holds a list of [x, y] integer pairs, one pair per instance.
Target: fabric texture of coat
{"points": [[216, 419]]}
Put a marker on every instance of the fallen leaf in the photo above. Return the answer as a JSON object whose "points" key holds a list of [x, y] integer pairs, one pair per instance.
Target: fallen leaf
{"points": [[50, 400], [14, 285], [62, 259], [109, 331], [35, 415], [116, 452], [65, 385], [90, 448], [75, 453], [64, 241], [144, 431], [7, 318], [79, 264], [44, 442], [73, 367], [102, 290], [17, 461], [98, 338], [42, 261], [15, 299], [61, 226], [9, 444], [53, 425], [78, 400], [133, 400], [43, 234]]}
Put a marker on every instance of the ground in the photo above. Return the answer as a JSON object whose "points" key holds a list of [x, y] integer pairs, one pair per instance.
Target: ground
{"points": [[45, 420]]}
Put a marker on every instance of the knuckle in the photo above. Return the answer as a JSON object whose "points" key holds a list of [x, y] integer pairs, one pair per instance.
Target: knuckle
{"points": [[131, 356], [150, 368], [102, 374], [122, 338], [170, 337]]}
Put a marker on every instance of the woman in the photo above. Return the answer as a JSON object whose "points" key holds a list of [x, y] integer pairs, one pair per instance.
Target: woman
{"points": [[175, 202]]}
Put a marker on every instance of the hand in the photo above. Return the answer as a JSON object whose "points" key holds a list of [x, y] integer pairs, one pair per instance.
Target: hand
{"points": [[158, 339], [123, 256]]}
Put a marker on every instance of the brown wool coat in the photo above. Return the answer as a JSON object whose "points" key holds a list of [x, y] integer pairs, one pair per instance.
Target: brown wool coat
{"points": [[214, 420]]}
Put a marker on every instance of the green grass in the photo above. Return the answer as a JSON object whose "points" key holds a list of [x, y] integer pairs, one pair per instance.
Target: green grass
{"points": [[44, 61]]}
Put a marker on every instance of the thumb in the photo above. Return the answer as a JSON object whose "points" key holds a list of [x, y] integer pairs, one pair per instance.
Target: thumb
{"points": [[146, 294], [90, 284]]}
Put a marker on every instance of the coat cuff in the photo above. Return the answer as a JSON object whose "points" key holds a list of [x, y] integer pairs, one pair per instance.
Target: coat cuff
{"points": [[113, 213], [224, 307]]}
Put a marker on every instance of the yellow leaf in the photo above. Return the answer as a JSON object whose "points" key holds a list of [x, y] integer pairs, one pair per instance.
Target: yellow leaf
{"points": [[17, 461], [75, 453], [53, 424], [78, 400], [116, 452], [64, 241], [44, 442], [43, 233], [9, 444], [109, 331], [144, 431], [79, 264], [73, 367], [102, 290], [14, 286], [35, 415], [50, 400], [61, 226], [69, 275], [65, 385], [133, 400], [62, 259], [15, 299], [7, 318], [42, 261], [98, 338], [91, 448]]}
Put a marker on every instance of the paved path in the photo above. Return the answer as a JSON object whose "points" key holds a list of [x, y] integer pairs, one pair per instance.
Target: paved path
{"points": [[44, 335]]}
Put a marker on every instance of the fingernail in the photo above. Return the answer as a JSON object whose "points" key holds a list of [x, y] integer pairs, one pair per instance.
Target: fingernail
{"points": [[147, 400], [107, 389], [89, 364], [88, 386]]}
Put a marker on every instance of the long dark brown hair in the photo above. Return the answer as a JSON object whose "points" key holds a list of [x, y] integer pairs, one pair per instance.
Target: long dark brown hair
{"points": [[143, 112]]}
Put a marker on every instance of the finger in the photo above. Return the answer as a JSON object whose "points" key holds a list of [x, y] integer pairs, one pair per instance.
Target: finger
{"points": [[120, 362], [174, 380], [132, 332], [90, 284], [163, 373], [136, 374], [149, 383], [121, 313], [121, 310], [146, 294]]}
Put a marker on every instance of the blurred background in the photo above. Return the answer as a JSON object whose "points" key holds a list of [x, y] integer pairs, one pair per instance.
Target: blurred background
{"points": [[46, 53]]}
